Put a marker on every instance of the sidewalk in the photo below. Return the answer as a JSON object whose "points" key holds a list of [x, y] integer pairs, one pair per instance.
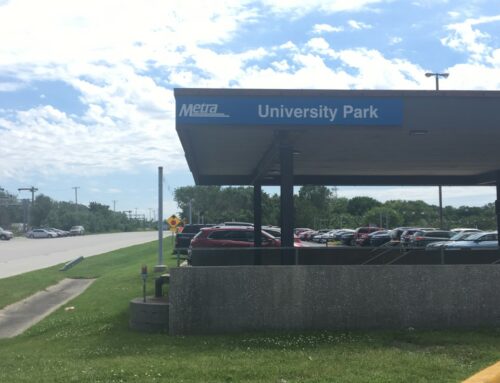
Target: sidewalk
{"points": [[18, 317]]}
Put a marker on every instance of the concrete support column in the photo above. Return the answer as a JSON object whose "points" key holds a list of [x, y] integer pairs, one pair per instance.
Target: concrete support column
{"points": [[257, 221], [497, 206], [286, 201]]}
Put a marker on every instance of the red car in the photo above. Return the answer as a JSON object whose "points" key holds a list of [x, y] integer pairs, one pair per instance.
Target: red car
{"points": [[234, 236], [361, 235]]}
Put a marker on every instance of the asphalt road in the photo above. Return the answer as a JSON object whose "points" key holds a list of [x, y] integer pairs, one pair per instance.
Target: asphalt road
{"points": [[20, 255]]}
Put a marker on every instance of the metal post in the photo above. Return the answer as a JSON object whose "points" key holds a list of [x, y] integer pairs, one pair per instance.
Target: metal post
{"points": [[437, 76], [190, 211], [257, 223], [286, 202], [440, 207], [160, 266]]}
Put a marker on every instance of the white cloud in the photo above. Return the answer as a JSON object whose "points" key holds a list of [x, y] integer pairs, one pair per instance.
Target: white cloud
{"points": [[358, 25], [318, 44], [11, 86], [395, 40], [326, 28], [466, 38], [301, 7]]}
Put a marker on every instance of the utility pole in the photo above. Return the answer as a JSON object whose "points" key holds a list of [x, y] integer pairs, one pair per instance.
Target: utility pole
{"points": [[437, 75], [76, 195], [114, 204], [32, 190]]}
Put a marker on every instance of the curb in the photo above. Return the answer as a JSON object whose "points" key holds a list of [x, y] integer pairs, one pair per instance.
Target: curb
{"points": [[488, 375]]}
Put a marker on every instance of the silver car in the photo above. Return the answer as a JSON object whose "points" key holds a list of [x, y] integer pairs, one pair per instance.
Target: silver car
{"points": [[41, 233], [5, 234], [477, 241]]}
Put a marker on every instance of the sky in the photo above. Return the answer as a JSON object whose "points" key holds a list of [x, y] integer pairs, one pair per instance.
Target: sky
{"points": [[86, 87]]}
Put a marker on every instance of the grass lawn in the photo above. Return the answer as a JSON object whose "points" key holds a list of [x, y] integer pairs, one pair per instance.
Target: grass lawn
{"points": [[92, 343]]}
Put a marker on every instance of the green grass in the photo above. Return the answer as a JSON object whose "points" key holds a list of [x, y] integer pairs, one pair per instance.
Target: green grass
{"points": [[92, 343]]}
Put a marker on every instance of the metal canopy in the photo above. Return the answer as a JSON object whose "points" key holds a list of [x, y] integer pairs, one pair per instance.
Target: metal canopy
{"points": [[378, 137]]}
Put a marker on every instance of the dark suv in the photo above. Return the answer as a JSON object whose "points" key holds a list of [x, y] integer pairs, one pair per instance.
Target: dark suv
{"points": [[422, 238], [183, 238]]}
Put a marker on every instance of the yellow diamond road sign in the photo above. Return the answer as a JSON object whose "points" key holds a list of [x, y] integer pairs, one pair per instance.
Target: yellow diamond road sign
{"points": [[173, 220]]}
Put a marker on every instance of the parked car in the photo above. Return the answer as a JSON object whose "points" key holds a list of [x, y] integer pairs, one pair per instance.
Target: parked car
{"points": [[488, 240], [306, 235], [422, 238], [233, 236], [77, 230], [406, 236], [361, 237], [299, 230], [183, 238], [398, 231], [379, 238], [275, 231], [316, 237], [339, 233], [59, 232], [324, 237], [347, 238], [41, 233], [460, 236], [465, 229], [6, 234]]}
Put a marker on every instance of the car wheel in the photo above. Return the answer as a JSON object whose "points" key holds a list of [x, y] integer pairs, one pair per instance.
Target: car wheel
{"points": [[3, 237]]}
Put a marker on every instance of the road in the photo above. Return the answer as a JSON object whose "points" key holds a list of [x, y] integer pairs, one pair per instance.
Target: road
{"points": [[20, 255]]}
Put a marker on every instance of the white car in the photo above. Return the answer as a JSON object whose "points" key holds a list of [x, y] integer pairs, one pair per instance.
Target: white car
{"points": [[77, 230], [41, 233], [5, 234]]}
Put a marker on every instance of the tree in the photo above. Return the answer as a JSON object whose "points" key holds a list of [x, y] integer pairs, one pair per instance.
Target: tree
{"points": [[40, 210], [358, 206]]}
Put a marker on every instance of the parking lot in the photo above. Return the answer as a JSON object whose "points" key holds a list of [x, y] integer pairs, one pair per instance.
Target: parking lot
{"points": [[20, 254]]}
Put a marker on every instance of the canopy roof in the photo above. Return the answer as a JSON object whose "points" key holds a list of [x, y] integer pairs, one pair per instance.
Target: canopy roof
{"points": [[340, 137]]}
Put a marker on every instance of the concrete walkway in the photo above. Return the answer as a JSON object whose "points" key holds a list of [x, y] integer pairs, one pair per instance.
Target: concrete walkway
{"points": [[20, 316]]}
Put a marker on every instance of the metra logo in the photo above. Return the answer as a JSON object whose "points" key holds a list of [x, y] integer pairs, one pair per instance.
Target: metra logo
{"points": [[201, 110]]}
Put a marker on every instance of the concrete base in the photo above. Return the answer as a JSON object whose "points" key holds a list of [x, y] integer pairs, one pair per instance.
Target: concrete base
{"points": [[149, 316], [160, 268], [209, 300]]}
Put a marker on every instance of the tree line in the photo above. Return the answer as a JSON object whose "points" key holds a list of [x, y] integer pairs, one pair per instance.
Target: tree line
{"points": [[316, 207], [319, 207], [46, 212]]}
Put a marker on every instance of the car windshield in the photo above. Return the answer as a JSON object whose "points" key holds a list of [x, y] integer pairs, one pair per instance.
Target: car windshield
{"points": [[474, 236], [462, 236]]}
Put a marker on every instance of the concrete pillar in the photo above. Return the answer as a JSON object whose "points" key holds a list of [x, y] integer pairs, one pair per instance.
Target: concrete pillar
{"points": [[497, 206], [257, 222], [286, 202]]}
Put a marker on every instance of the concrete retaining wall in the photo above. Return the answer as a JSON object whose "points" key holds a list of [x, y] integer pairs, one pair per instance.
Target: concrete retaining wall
{"points": [[206, 300]]}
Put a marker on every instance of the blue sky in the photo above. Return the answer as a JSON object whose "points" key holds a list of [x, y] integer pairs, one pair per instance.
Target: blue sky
{"points": [[86, 87]]}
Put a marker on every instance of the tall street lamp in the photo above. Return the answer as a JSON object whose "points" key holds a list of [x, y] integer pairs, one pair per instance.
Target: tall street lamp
{"points": [[437, 75]]}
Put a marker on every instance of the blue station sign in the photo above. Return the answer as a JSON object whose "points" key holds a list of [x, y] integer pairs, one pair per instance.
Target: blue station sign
{"points": [[320, 111]]}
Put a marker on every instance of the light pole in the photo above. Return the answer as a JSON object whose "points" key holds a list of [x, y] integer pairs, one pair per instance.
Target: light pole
{"points": [[437, 75], [32, 190]]}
